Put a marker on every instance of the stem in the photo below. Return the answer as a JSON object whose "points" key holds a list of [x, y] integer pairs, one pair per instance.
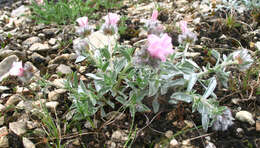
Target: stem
{"points": [[224, 64]]}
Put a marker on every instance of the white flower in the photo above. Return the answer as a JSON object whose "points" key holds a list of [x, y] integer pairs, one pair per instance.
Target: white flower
{"points": [[243, 58]]}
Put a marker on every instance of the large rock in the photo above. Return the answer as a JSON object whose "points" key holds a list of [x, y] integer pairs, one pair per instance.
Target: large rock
{"points": [[31, 40], [64, 69], [22, 10], [39, 47], [28, 143], [18, 128], [3, 138], [6, 65]]}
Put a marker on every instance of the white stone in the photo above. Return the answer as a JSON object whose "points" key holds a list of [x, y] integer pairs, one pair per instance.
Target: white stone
{"points": [[52, 41], [13, 100], [3, 88], [6, 65], [2, 108], [210, 145], [54, 95], [64, 69], [28, 143], [22, 10], [18, 128], [31, 40], [119, 135], [52, 105], [99, 40], [3, 138], [245, 116], [174, 143], [60, 83], [2, 120], [39, 47], [257, 45]]}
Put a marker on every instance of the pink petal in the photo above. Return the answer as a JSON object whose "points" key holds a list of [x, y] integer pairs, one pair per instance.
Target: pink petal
{"points": [[17, 69], [183, 26], [154, 15], [82, 21]]}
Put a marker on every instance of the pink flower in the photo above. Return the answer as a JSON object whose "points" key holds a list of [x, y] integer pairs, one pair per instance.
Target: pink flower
{"points": [[112, 19], [17, 69], [39, 2], [154, 15], [183, 26], [160, 47], [82, 21]]}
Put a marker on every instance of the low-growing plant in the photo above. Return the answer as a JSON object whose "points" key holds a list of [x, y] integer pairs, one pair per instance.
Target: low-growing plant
{"points": [[129, 77]]}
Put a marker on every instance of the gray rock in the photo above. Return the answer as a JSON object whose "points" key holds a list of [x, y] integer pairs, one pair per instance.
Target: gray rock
{"points": [[51, 31], [7, 52], [6, 65], [13, 100], [31, 40], [37, 58], [2, 120], [19, 128], [3, 138], [60, 59], [54, 95], [64, 69], [27, 105], [39, 47], [28, 143], [31, 125], [2, 108]]}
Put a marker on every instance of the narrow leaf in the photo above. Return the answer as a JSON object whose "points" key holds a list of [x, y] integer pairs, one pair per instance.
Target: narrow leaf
{"points": [[211, 88]]}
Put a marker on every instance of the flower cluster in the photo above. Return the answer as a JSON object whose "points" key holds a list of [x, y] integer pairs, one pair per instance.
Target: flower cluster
{"points": [[39, 2], [24, 73], [224, 121], [158, 47], [84, 29], [110, 25], [154, 26], [243, 59], [187, 35], [80, 45]]}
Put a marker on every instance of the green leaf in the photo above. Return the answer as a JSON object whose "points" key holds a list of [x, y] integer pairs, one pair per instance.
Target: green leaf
{"points": [[205, 121], [75, 80], [156, 105], [93, 76], [119, 65], [121, 100], [171, 83], [142, 108], [132, 110], [211, 88], [181, 97], [192, 81], [83, 87], [153, 88], [104, 66], [80, 59], [105, 53], [126, 54]]}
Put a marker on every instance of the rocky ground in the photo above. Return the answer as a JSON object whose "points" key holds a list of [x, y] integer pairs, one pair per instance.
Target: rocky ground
{"points": [[49, 50]]}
